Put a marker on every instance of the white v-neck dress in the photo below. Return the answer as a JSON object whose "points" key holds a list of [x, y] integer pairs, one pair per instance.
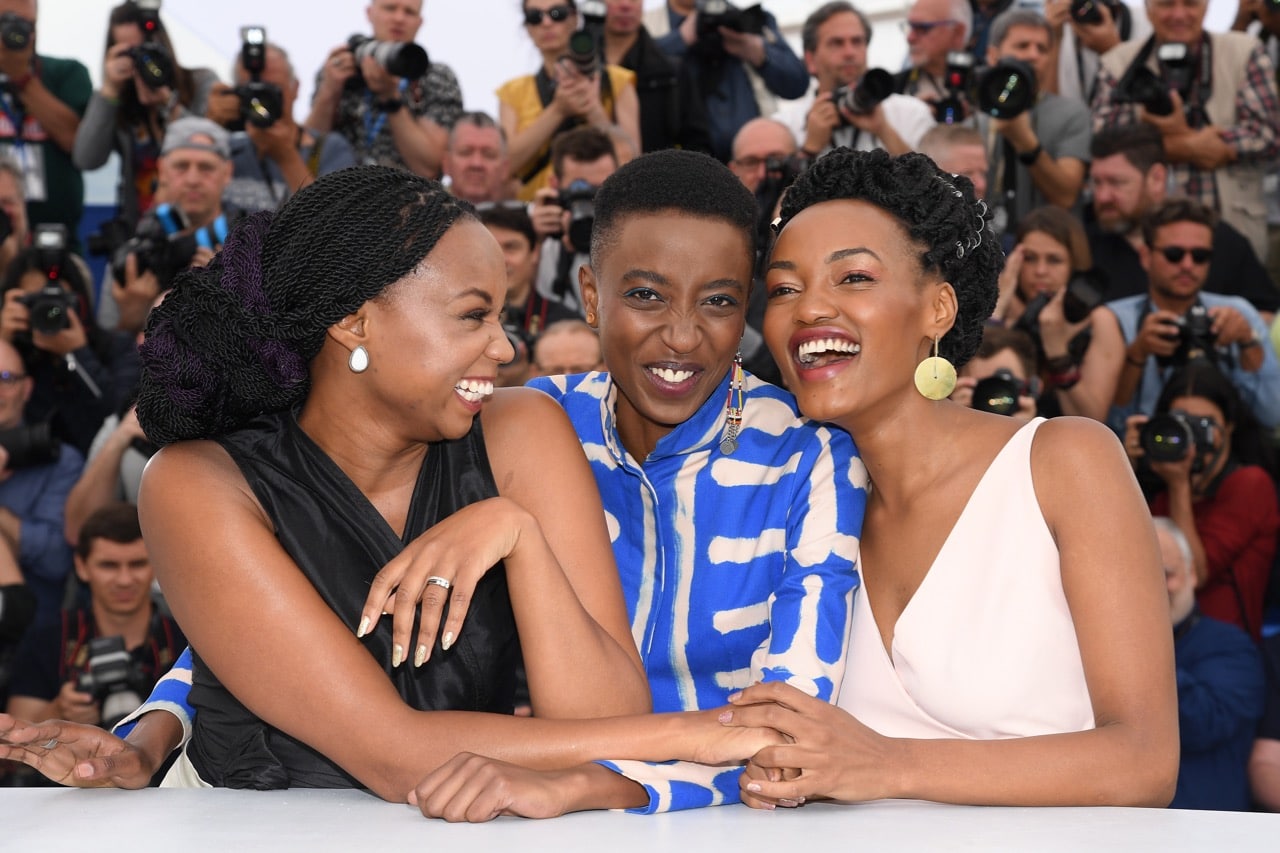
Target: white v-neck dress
{"points": [[986, 647]]}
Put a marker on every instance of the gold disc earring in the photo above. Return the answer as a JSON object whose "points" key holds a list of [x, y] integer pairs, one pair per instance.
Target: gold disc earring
{"points": [[935, 376]]}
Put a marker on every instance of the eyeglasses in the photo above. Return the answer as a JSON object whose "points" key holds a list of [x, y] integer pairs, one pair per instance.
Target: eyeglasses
{"points": [[1175, 254], [922, 28], [8, 378], [558, 14]]}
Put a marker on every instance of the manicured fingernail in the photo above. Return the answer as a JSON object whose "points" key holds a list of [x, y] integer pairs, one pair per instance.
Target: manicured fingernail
{"points": [[397, 655], [364, 627], [753, 787], [725, 716], [447, 640], [420, 656], [733, 697]]}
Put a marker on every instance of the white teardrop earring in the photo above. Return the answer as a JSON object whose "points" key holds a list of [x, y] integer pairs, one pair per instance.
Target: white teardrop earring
{"points": [[358, 361]]}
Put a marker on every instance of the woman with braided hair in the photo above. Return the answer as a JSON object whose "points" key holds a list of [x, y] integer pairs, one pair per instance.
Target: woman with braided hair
{"points": [[318, 392], [1010, 643]]}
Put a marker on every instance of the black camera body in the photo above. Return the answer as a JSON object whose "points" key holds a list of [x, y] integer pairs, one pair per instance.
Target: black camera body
{"points": [[29, 445], [863, 98], [50, 308], [15, 32], [958, 80], [1006, 89], [1140, 85], [586, 46], [160, 246], [998, 393], [113, 678], [1088, 12], [579, 198], [1169, 437], [1085, 291], [153, 64], [397, 58], [1194, 332], [714, 14], [261, 104]]}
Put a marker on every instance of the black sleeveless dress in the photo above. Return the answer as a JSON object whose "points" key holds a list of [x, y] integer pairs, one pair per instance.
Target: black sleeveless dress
{"points": [[340, 541]]}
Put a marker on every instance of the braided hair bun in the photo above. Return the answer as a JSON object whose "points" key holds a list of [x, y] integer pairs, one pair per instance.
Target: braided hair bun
{"points": [[936, 209], [234, 340]]}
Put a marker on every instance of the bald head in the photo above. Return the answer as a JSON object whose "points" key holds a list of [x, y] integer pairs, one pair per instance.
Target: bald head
{"points": [[758, 141]]}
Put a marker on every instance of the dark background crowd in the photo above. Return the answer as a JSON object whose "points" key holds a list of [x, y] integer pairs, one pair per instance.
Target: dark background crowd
{"points": [[1127, 157]]}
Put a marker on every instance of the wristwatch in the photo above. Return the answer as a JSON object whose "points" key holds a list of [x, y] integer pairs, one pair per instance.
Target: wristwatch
{"points": [[1255, 341], [389, 105], [1027, 158]]}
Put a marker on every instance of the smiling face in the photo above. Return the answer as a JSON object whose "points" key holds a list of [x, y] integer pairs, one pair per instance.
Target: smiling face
{"points": [[118, 575], [850, 312], [435, 339], [670, 293]]}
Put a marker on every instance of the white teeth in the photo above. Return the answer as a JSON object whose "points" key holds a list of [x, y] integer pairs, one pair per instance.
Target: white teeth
{"points": [[666, 374], [809, 350], [474, 390]]}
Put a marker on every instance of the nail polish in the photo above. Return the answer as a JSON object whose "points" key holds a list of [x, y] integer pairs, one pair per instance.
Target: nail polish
{"points": [[364, 627], [397, 655], [420, 656], [447, 640]]}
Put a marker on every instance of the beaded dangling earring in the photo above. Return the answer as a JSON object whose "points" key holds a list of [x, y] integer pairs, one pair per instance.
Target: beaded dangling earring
{"points": [[733, 405], [935, 376], [358, 361]]}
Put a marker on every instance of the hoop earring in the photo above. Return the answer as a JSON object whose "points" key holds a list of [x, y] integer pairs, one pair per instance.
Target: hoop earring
{"points": [[733, 406], [935, 376], [358, 361]]}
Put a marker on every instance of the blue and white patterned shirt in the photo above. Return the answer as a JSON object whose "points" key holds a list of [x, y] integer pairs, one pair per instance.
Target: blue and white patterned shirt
{"points": [[736, 568]]}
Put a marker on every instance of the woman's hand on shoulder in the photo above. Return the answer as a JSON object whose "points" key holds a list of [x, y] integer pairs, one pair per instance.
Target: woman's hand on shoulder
{"points": [[443, 565]]}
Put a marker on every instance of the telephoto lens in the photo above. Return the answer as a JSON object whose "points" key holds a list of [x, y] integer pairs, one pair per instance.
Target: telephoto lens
{"points": [[874, 87], [1007, 89], [997, 393], [398, 58]]}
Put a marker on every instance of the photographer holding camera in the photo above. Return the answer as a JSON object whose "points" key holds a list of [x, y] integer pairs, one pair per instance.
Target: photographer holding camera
{"points": [[1042, 147], [182, 231], [42, 99], [97, 663], [851, 106], [1083, 31], [143, 89], [740, 62], [272, 158], [1176, 321], [37, 473], [80, 372], [383, 95], [1001, 376], [1208, 468], [1212, 96]]}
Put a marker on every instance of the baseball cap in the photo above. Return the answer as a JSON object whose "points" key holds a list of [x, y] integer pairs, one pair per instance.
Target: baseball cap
{"points": [[197, 133]]}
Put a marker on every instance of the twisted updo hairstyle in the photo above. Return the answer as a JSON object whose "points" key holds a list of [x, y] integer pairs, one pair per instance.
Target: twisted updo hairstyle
{"points": [[937, 210], [234, 340]]}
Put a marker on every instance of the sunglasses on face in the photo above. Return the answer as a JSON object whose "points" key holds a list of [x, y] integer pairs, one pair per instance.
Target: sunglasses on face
{"points": [[533, 17], [1175, 254]]}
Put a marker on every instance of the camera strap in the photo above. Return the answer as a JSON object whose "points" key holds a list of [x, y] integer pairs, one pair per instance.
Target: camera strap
{"points": [[374, 125], [1196, 99]]}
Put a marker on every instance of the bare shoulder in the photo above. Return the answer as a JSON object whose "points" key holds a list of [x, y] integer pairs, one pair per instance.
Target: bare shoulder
{"points": [[1064, 443], [190, 472], [526, 430], [1078, 463]]}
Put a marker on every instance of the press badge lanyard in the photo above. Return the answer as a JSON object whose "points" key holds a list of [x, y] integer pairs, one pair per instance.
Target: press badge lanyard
{"points": [[373, 126]]}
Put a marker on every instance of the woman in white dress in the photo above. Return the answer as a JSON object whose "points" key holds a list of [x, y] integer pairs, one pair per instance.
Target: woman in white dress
{"points": [[1011, 642]]}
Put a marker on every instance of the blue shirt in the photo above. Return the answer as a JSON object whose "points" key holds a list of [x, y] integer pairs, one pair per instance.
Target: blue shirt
{"points": [[37, 496], [736, 568], [1260, 390]]}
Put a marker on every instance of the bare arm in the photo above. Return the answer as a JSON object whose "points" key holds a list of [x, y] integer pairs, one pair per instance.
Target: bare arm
{"points": [[99, 482], [1264, 773], [1091, 396]]}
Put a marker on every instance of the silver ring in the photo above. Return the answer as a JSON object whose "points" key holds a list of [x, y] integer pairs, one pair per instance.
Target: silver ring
{"points": [[436, 580], [52, 742]]}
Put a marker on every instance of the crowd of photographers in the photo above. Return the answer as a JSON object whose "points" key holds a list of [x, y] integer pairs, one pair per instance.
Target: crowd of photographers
{"points": [[1126, 155]]}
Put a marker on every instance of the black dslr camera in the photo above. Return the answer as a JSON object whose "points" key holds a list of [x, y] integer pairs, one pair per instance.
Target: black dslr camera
{"points": [[999, 393], [579, 198], [1006, 89], [151, 61], [861, 99], [1194, 333], [161, 246], [1170, 437], [50, 307], [1141, 85], [15, 32], [714, 14], [30, 445], [958, 80], [1085, 291], [260, 103], [1088, 12], [586, 44], [397, 58], [113, 678]]}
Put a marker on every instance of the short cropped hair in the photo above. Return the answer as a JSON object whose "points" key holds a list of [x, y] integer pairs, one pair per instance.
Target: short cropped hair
{"points": [[1016, 17], [824, 13], [116, 522], [1139, 143], [513, 217], [997, 339], [1176, 210], [583, 145]]}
